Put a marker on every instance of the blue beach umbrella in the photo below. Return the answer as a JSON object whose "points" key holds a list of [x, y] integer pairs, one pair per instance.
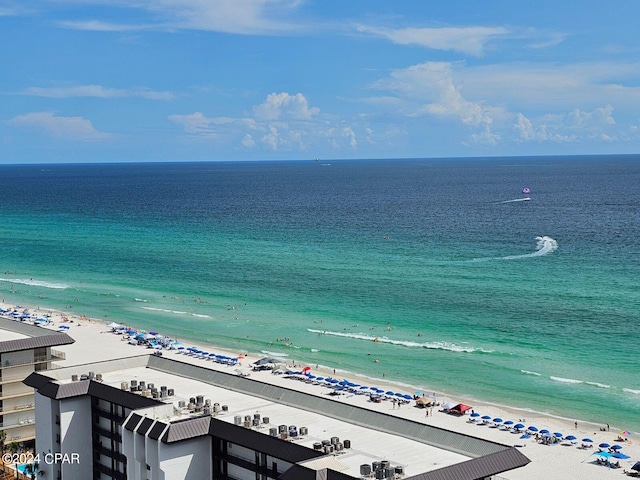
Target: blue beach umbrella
{"points": [[604, 445], [616, 447], [475, 414], [508, 422], [532, 429], [587, 440], [407, 397], [557, 434], [602, 454], [570, 437], [518, 426], [620, 455], [544, 431], [497, 420], [485, 417], [390, 393]]}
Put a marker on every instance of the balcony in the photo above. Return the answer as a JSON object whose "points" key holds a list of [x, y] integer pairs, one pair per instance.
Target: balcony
{"points": [[17, 408], [53, 356], [23, 422]]}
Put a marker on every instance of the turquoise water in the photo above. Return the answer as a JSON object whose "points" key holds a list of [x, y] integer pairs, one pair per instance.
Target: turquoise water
{"points": [[468, 288]]}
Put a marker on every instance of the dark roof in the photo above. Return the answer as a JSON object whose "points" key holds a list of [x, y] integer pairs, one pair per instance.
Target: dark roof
{"points": [[134, 420], [157, 430], [273, 446], [477, 468], [188, 428], [50, 388], [53, 340], [300, 472], [144, 426]]}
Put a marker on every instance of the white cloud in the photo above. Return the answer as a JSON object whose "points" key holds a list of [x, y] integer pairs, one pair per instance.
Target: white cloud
{"points": [[573, 126], [68, 128], [283, 122], [230, 16], [468, 40], [279, 105], [432, 88], [96, 91]]}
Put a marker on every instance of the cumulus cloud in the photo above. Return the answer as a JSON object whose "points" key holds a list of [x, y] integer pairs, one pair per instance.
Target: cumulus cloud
{"points": [[96, 91], [279, 105], [467, 40], [569, 127], [283, 122], [433, 89], [68, 128]]}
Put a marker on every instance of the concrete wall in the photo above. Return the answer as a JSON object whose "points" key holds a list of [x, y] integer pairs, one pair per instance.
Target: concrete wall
{"points": [[188, 460], [75, 436]]}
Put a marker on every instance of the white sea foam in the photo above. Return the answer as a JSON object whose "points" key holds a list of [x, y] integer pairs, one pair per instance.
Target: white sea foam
{"points": [[405, 343], [525, 199], [274, 354], [141, 300], [176, 312], [599, 385], [527, 372], [35, 283], [566, 380], [545, 246], [630, 390]]}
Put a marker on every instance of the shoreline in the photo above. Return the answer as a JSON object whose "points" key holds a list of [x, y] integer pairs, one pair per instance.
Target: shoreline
{"points": [[514, 413], [545, 460]]}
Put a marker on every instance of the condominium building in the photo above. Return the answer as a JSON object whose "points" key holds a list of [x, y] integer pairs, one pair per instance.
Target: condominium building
{"points": [[161, 418], [24, 348]]}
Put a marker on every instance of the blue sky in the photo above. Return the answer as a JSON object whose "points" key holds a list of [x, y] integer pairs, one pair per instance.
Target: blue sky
{"points": [[218, 80]]}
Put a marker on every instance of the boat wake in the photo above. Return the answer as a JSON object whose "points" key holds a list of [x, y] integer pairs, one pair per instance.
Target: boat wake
{"points": [[525, 199], [545, 246]]}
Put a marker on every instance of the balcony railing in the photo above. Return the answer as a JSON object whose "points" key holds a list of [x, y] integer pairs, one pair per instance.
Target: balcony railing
{"points": [[54, 355], [17, 408]]}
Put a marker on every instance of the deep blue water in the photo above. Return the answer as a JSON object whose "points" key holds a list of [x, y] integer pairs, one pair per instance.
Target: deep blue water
{"points": [[469, 288]]}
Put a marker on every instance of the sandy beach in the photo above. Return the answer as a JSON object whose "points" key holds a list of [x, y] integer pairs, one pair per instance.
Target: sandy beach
{"points": [[95, 342]]}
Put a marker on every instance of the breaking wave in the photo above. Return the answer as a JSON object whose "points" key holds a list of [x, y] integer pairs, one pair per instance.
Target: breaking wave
{"points": [[35, 283], [527, 372], [452, 347], [176, 312]]}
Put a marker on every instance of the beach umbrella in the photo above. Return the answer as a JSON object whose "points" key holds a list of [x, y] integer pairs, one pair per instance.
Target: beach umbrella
{"points": [[486, 417], [475, 414], [616, 447], [508, 422], [532, 429], [389, 393], [557, 434], [636, 467], [602, 454], [620, 455], [407, 397], [570, 437], [587, 440], [497, 420], [418, 392], [518, 426], [544, 431], [625, 432], [604, 445]]}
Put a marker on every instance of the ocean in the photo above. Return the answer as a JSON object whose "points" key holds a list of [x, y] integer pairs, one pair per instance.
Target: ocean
{"points": [[435, 273]]}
